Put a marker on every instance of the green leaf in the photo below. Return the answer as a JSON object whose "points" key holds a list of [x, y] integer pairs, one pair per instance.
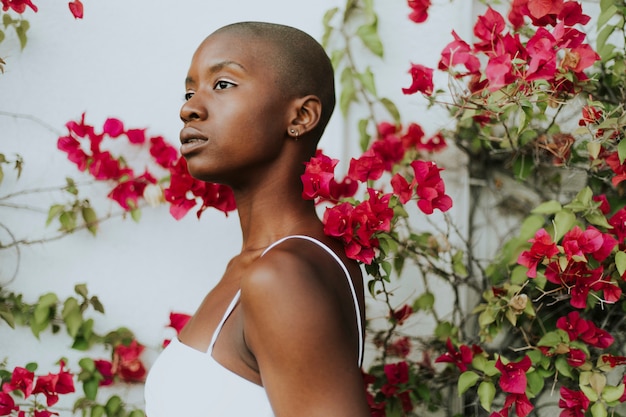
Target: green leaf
{"points": [[598, 410], [563, 367], [621, 151], [137, 413], [328, 29], [605, 16], [81, 289], [424, 302], [20, 30], [611, 393], [551, 339], [91, 219], [113, 405], [535, 381], [620, 262], [96, 304], [367, 80], [369, 35], [7, 315], [97, 410], [72, 316], [563, 222], [54, 211], [486, 394], [467, 380], [87, 364], [603, 36], [135, 214], [549, 207], [348, 91], [7, 20], [391, 108]]}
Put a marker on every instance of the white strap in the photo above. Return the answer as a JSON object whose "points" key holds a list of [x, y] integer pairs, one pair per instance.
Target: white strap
{"points": [[218, 329], [359, 324]]}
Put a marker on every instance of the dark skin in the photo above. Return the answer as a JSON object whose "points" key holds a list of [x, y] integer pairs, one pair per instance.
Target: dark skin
{"points": [[294, 329]]}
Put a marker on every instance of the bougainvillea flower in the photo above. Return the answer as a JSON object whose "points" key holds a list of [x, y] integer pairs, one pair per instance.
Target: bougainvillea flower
{"points": [[113, 127], [389, 149], [127, 364], [499, 72], [21, 379], [105, 368], [523, 406], [618, 221], [18, 6], [435, 143], [397, 373], [578, 278], [458, 52], [400, 348], [127, 193], [76, 7], [44, 413], [488, 28], [542, 248], [162, 152], [402, 313], [579, 59], [590, 115], [413, 136], [401, 188], [178, 321], [613, 360], [136, 136], [368, 166], [7, 404], [541, 50], [577, 243], [572, 14], [576, 358], [75, 153], [337, 221], [318, 176], [574, 403], [422, 80], [461, 357], [541, 8], [430, 188], [419, 10], [513, 378], [52, 385]]}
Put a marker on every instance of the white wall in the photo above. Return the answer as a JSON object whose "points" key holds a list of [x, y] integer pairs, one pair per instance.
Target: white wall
{"points": [[128, 59]]}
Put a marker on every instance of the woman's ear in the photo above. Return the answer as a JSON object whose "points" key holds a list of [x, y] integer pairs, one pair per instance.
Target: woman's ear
{"points": [[308, 111]]}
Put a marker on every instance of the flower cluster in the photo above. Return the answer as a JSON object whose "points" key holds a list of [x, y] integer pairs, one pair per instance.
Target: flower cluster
{"points": [[360, 224], [126, 365], [86, 148], [19, 6], [25, 385]]}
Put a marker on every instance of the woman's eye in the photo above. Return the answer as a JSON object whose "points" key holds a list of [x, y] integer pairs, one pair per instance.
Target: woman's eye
{"points": [[188, 96], [221, 85]]}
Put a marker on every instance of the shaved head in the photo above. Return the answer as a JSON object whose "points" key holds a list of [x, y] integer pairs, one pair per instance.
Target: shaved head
{"points": [[301, 64]]}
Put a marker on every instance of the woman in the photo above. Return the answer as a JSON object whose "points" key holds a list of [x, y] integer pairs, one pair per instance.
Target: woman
{"points": [[282, 332]]}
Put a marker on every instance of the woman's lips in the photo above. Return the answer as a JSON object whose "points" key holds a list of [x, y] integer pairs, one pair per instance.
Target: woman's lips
{"points": [[190, 144]]}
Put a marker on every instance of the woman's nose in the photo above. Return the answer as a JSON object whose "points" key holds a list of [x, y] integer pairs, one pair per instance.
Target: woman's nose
{"points": [[193, 109]]}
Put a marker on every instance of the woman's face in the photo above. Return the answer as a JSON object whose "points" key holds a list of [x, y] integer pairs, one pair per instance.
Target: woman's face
{"points": [[235, 115]]}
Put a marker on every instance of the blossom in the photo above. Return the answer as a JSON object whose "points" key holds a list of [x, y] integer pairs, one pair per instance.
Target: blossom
{"points": [[400, 348], [458, 52], [18, 6], [413, 136], [127, 364], [419, 12], [541, 8], [433, 144], [162, 152], [21, 379], [590, 115], [578, 278], [52, 385], [127, 193], [461, 357], [585, 330], [136, 136], [579, 59], [618, 221], [513, 378], [318, 176], [389, 149], [7, 404], [430, 188], [401, 188], [542, 247], [488, 28], [105, 368], [574, 403], [401, 314], [178, 321], [397, 374], [572, 14], [75, 153], [76, 7], [523, 406], [577, 243], [542, 54], [499, 72], [576, 358], [113, 127], [422, 80]]}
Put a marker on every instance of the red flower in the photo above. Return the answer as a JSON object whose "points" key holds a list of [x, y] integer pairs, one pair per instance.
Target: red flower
{"points": [[513, 378], [578, 279], [577, 243], [52, 385], [75, 154], [400, 348], [136, 136], [523, 406], [618, 221], [499, 72], [590, 115], [488, 28], [318, 176], [397, 374], [576, 358], [458, 52], [542, 247], [105, 368], [21, 379], [401, 314], [368, 166], [541, 50], [430, 188], [401, 188], [419, 11], [44, 413], [18, 6], [126, 362], [76, 7], [113, 127], [162, 152], [128, 193], [541, 8], [461, 358], [7, 404], [413, 136], [435, 143], [575, 403], [572, 14], [389, 149], [422, 80], [178, 321]]}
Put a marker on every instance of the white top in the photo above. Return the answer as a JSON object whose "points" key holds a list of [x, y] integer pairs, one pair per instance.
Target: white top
{"points": [[186, 382]]}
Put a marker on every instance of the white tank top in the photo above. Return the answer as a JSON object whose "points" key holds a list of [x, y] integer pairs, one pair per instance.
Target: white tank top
{"points": [[186, 382]]}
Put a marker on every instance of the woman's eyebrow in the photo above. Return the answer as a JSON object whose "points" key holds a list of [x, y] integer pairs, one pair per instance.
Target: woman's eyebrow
{"points": [[216, 68]]}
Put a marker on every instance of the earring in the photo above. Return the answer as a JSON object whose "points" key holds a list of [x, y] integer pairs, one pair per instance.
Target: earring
{"points": [[295, 132]]}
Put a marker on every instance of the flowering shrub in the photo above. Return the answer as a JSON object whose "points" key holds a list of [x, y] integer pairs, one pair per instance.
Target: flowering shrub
{"points": [[550, 315]]}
